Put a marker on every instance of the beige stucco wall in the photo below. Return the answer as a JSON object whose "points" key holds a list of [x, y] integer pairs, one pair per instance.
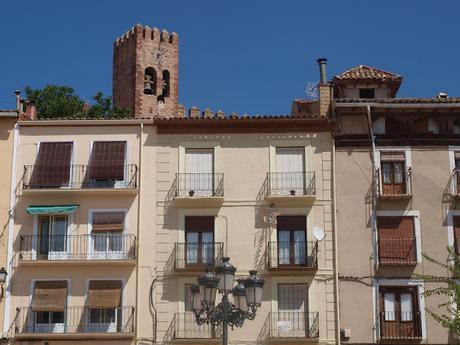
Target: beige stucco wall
{"points": [[242, 223], [6, 148], [431, 171]]}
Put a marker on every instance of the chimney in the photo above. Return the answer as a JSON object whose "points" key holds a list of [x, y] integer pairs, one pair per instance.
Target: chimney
{"points": [[18, 100], [324, 89], [322, 70]]}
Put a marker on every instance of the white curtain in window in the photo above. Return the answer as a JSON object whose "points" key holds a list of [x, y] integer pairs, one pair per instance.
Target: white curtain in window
{"points": [[290, 168], [192, 247], [389, 306], [283, 247], [207, 251], [299, 247], [199, 168], [406, 307]]}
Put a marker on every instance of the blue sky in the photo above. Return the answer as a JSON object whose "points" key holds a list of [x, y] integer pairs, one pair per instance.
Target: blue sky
{"points": [[244, 56]]}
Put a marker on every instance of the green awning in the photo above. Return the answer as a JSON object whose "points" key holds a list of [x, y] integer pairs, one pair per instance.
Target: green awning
{"points": [[47, 209]]}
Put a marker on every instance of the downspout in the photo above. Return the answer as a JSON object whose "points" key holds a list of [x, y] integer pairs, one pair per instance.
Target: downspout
{"points": [[11, 215], [336, 272], [141, 137]]}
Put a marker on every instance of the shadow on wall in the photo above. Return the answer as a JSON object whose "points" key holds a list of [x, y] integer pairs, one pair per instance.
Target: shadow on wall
{"points": [[262, 224]]}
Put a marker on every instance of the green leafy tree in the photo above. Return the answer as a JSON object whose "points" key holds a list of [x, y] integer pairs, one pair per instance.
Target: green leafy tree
{"points": [[55, 101], [449, 287]]}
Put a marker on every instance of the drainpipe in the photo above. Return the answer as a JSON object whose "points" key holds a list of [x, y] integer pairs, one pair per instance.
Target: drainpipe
{"points": [[336, 261], [139, 224]]}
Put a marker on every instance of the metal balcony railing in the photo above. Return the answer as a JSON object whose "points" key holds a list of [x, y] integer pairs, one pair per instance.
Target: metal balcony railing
{"points": [[455, 182], [185, 327], [75, 320], [77, 247], [291, 184], [291, 324], [395, 182], [199, 185], [197, 255], [79, 176], [400, 325], [397, 250], [293, 254]]}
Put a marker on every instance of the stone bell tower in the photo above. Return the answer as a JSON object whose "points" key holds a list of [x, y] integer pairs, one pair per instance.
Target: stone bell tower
{"points": [[145, 72]]}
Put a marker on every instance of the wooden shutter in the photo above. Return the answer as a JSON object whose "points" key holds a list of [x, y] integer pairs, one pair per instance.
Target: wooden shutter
{"points": [[291, 222], [108, 221], [52, 166], [199, 224], [396, 240], [107, 160], [49, 296], [104, 294], [456, 221], [393, 156]]}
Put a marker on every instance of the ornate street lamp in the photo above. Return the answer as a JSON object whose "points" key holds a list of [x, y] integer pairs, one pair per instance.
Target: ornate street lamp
{"points": [[247, 297]]}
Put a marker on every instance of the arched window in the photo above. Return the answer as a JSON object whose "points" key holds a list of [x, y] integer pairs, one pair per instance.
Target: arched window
{"points": [[150, 81], [166, 83]]}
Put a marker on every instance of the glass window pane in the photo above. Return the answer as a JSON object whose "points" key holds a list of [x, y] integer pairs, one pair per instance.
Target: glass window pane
{"points": [[389, 306], [406, 307]]}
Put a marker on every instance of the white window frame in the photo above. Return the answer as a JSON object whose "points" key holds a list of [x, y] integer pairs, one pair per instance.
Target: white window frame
{"points": [[407, 160], [91, 255], [452, 150], [400, 213], [199, 145]]}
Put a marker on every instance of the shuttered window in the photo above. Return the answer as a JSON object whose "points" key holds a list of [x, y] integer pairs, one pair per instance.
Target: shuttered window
{"points": [[52, 166], [396, 240], [104, 294], [199, 171], [49, 296], [108, 221], [292, 297], [107, 160]]}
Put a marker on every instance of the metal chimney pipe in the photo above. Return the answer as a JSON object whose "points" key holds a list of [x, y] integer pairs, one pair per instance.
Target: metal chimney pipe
{"points": [[322, 70], [18, 100]]}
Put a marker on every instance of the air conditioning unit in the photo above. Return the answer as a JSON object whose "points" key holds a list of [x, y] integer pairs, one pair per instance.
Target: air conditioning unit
{"points": [[345, 333]]}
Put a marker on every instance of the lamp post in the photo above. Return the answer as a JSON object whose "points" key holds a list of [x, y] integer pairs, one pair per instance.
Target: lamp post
{"points": [[247, 297]]}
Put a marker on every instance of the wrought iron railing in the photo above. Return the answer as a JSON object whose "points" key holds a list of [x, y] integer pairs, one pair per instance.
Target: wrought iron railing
{"points": [[293, 254], [185, 327], [79, 176], [77, 247], [455, 182], [197, 255], [395, 182], [397, 250], [400, 325], [199, 185], [291, 183], [75, 320], [291, 324]]}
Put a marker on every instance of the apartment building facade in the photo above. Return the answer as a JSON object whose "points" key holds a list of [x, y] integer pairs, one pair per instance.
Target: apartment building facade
{"points": [[396, 187]]}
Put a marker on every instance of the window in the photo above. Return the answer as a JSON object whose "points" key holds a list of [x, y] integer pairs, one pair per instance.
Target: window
{"points": [[292, 318], [396, 240], [48, 306], [199, 172], [188, 298], [199, 240], [456, 224], [166, 84], [107, 234], [150, 81], [52, 236], [291, 240], [106, 164], [104, 302], [399, 315], [366, 93], [52, 166], [289, 178], [457, 172], [393, 173]]}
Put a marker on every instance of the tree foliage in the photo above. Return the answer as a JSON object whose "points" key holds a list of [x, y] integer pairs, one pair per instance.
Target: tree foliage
{"points": [[55, 101], [448, 287]]}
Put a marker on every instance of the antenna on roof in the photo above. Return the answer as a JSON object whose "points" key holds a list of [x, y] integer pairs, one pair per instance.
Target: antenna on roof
{"points": [[311, 90]]}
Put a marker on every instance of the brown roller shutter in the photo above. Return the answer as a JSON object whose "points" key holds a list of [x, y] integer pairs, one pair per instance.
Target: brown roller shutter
{"points": [[104, 294], [393, 156], [52, 166], [107, 160], [49, 296], [291, 222], [396, 240], [199, 224], [108, 221], [456, 220]]}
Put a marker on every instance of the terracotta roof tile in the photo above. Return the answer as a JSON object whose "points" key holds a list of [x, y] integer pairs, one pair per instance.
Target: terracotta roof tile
{"points": [[400, 100], [363, 72]]}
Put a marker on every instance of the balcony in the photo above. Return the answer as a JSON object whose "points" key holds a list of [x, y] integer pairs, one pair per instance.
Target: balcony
{"points": [[186, 329], [291, 187], [292, 257], [455, 183], [74, 323], [397, 251], [52, 178], [95, 248], [195, 257], [400, 326], [294, 325], [394, 184], [199, 189]]}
